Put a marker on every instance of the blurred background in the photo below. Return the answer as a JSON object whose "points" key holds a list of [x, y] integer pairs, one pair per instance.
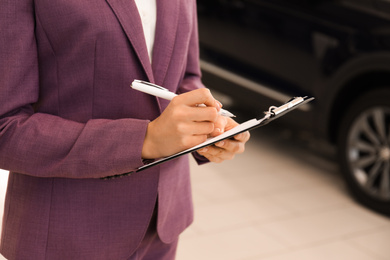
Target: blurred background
{"points": [[260, 53], [314, 184]]}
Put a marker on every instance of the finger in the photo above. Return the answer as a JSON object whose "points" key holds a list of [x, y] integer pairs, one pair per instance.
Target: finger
{"points": [[219, 126], [219, 103], [199, 96], [198, 128], [243, 137], [200, 114], [209, 151], [212, 158], [216, 154], [231, 146], [183, 113], [230, 124], [189, 141]]}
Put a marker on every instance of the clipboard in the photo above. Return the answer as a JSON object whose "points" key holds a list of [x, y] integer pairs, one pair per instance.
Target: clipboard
{"points": [[273, 113]]}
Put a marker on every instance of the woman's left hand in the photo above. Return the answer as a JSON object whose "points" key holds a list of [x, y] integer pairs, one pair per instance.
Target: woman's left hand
{"points": [[228, 148]]}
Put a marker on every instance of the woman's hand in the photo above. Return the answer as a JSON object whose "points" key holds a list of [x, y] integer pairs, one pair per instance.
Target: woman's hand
{"points": [[228, 148], [183, 124]]}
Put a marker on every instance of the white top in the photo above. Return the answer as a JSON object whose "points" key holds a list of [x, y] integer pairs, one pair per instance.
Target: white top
{"points": [[148, 11]]}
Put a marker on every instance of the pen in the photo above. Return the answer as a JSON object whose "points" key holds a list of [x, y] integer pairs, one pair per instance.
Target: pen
{"points": [[158, 91]]}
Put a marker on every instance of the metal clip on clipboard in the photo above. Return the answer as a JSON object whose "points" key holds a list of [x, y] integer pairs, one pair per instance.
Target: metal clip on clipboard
{"points": [[275, 112]]}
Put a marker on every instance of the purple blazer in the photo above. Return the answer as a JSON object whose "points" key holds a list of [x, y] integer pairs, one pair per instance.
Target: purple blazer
{"points": [[68, 117]]}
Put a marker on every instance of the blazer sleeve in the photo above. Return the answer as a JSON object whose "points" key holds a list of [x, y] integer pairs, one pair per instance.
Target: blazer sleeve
{"points": [[46, 145]]}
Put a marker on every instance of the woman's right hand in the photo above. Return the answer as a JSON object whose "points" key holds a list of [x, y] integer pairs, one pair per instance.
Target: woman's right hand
{"points": [[183, 124]]}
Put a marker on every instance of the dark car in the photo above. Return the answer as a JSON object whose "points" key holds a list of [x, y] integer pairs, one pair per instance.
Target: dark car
{"points": [[262, 52]]}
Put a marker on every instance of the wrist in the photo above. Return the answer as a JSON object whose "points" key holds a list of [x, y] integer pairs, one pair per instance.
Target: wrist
{"points": [[148, 149]]}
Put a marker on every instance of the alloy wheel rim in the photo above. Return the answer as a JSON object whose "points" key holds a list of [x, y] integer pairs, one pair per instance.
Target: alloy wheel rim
{"points": [[368, 152]]}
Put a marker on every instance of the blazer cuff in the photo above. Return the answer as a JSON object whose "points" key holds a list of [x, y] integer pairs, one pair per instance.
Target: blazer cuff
{"points": [[199, 158]]}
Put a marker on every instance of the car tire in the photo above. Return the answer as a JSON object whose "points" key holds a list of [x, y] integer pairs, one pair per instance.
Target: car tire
{"points": [[364, 149]]}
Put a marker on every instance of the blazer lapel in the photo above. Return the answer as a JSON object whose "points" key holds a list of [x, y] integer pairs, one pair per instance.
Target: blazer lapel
{"points": [[127, 13], [166, 27]]}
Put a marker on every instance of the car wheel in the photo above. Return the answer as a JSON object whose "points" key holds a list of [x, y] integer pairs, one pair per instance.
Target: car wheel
{"points": [[364, 149]]}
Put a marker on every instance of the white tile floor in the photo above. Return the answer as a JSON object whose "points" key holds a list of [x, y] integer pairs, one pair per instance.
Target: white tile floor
{"points": [[278, 201]]}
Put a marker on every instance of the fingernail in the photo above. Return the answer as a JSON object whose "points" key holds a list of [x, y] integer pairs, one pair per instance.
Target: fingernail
{"points": [[220, 143], [218, 130], [203, 150], [219, 103]]}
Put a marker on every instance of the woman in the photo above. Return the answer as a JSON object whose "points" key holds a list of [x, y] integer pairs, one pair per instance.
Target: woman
{"points": [[68, 118]]}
